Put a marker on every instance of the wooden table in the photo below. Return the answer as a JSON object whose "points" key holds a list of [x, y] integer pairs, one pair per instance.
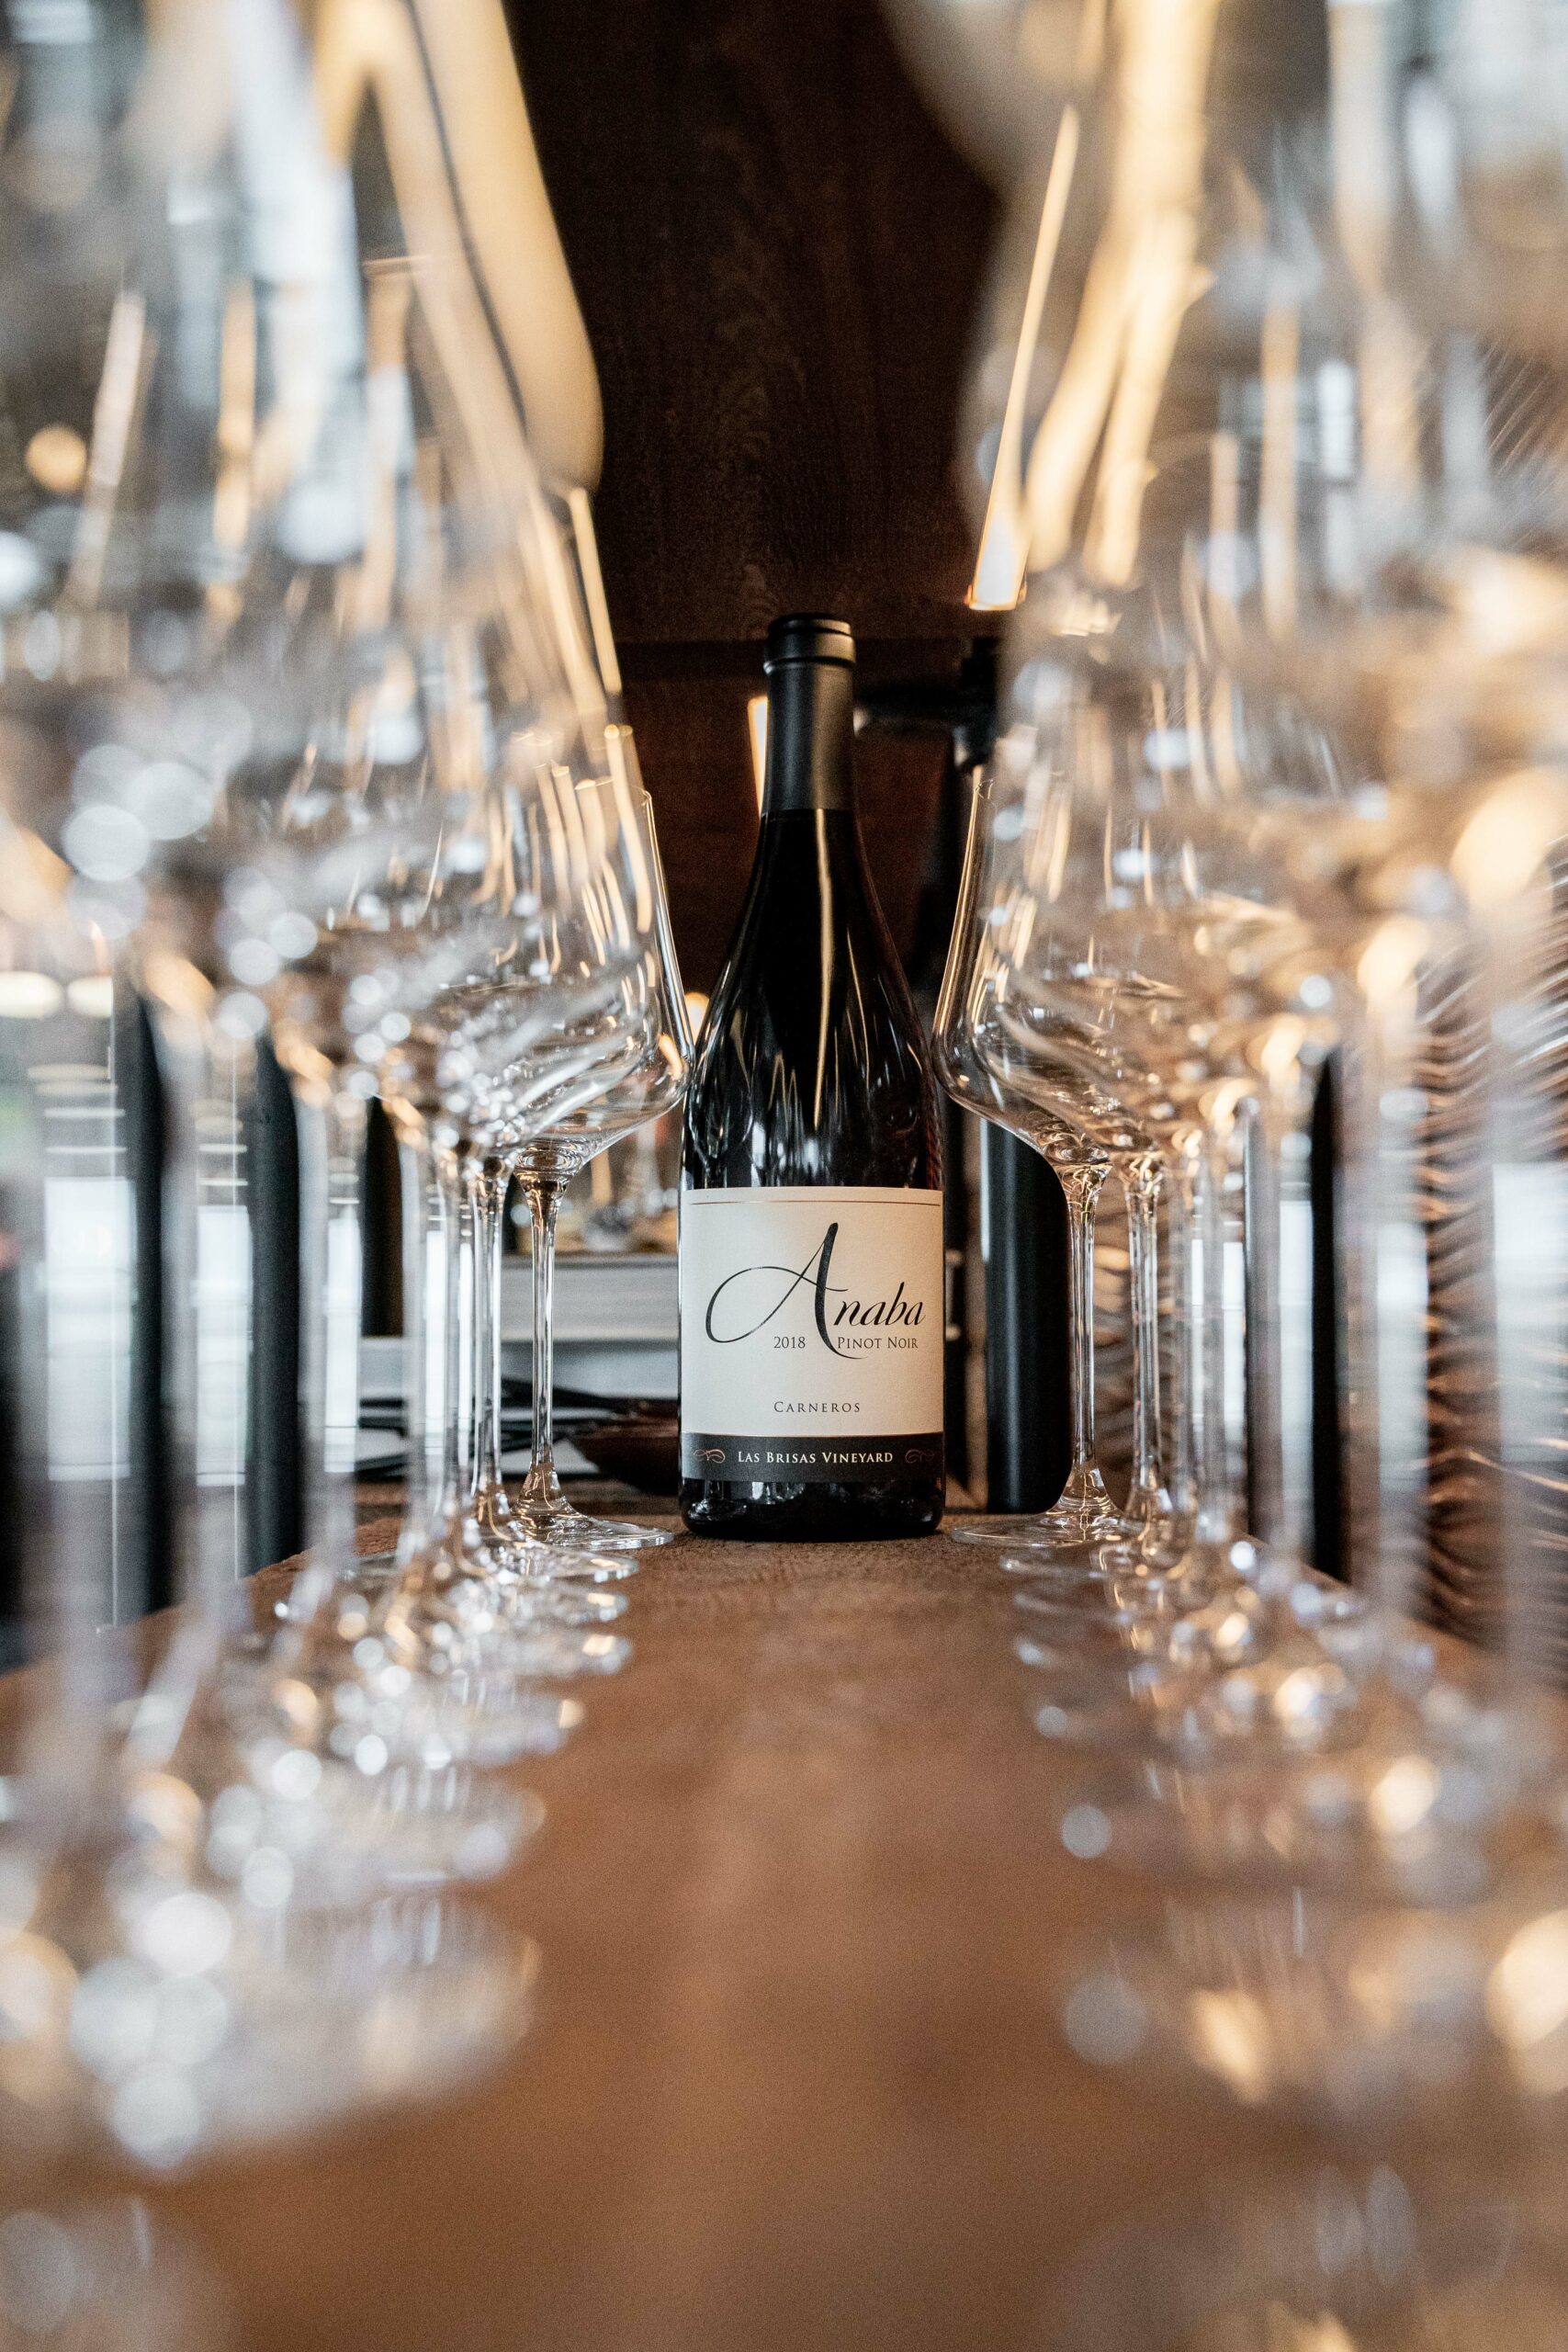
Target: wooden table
{"points": [[797, 2080]]}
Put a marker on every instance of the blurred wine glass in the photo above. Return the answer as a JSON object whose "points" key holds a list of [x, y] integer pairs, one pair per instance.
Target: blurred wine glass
{"points": [[103, 2278], [1393, 2257], [575, 1009], [646, 1078], [225, 593], [1293, 435], [997, 73], [1147, 949]]}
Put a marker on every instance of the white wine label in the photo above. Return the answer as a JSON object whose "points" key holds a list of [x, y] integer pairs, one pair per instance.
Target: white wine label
{"points": [[811, 1333]]}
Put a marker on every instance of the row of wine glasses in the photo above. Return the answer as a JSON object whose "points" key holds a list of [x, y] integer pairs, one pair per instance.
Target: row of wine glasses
{"points": [[306, 728], [1281, 743]]}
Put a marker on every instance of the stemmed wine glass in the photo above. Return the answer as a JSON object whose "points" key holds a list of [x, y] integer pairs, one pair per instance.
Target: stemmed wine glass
{"points": [[1302, 422], [647, 1080], [1082, 1133], [570, 1004], [340, 879], [198, 573], [1145, 947], [1411, 2258], [532, 984], [617, 1053]]}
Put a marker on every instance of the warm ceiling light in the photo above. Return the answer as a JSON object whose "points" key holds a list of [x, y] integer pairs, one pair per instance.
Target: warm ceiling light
{"points": [[757, 720], [57, 459], [1003, 558]]}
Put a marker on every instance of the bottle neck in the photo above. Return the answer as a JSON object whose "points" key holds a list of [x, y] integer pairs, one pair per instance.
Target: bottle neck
{"points": [[811, 712]]}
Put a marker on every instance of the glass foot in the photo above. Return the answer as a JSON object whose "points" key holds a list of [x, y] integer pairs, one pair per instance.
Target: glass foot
{"points": [[476, 1659], [1195, 1615], [493, 1541], [1089, 1584], [445, 1666], [1387, 1822], [1078, 1602], [102, 2277], [1060, 1642], [410, 2001], [536, 1567], [444, 1622], [561, 1527], [1147, 1702], [1350, 2252], [290, 1796], [163, 2014], [561, 1600], [1454, 2021], [437, 1824], [1251, 1679], [1082, 1517], [1074, 1535]]}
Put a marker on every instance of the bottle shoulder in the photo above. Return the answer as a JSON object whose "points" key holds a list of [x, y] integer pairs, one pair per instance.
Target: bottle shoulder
{"points": [[811, 925], [774, 1100], [813, 1061]]}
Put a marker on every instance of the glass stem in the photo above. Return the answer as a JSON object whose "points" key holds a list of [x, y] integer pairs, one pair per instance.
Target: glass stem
{"points": [[543, 1195], [1265, 1435], [1519, 961], [1082, 1187], [1203, 1172], [1387, 1315], [204, 1074], [424, 1339], [65, 1572], [1180, 1406], [206, 1278], [332, 1143], [1279, 1316], [451, 1437], [1141, 1181], [488, 1181]]}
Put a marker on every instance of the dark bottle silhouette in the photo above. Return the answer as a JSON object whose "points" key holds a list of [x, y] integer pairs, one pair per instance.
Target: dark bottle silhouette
{"points": [[812, 1071]]}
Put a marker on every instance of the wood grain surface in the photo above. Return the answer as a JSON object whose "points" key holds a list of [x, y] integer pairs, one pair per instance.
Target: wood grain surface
{"points": [[797, 2083], [777, 256]]}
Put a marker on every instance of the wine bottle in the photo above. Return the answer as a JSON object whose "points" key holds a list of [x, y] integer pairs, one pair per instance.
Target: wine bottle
{"points": [[811, 1243]]}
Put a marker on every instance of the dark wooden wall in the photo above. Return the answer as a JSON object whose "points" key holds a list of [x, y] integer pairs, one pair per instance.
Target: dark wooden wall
{"points": [[777, 256]]}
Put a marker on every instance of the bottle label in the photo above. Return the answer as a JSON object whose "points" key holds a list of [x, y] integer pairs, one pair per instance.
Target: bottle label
{"points": [[812, 1328]]}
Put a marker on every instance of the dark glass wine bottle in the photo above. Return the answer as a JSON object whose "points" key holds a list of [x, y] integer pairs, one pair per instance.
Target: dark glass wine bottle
{"points": [[811, 1245]]}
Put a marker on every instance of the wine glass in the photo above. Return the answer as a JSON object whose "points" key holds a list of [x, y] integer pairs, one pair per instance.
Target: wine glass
{"points": [[569, 1003], [191, 516], [1157, 948], [617, 1053], [1410, 2258], [1133, 928], [1081, 1132], [102, 2277], [524, 989], [1337, 399], [1318, 456], [647, 1080], [342, 880]]}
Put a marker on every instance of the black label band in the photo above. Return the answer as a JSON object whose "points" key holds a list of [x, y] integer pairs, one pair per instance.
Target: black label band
{"points": [[809, 1461]]}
